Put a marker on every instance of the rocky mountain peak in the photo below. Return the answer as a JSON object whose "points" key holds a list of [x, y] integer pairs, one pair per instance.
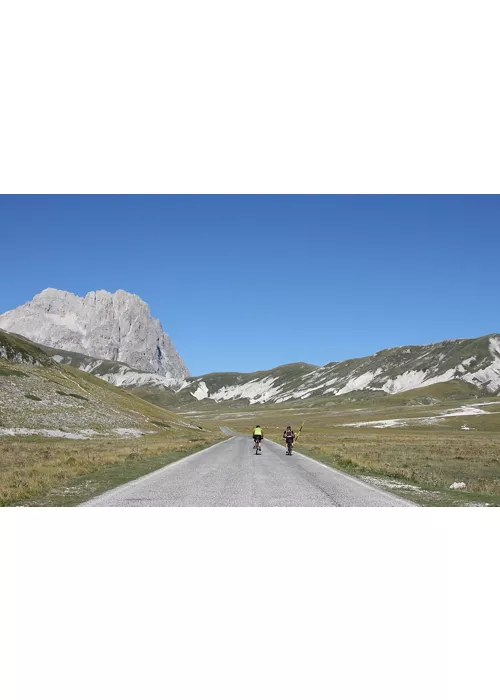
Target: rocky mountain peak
{"points": [[112, 326]]}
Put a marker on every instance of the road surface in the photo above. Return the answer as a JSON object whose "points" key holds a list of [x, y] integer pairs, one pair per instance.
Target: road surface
{"points": [[230, 474]]}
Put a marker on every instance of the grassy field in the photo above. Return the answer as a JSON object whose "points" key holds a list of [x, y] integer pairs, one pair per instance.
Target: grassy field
{"points": [[420, 466], [66, 435], [37, 471], [419, 459]]}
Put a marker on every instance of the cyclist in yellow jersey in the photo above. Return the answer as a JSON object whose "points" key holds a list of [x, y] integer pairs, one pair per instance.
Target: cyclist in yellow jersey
{"points": [[258, 436]]}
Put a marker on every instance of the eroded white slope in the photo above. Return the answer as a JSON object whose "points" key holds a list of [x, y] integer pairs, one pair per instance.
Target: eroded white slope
{"points": [[128, 378], [335, 380], [489, 376]]}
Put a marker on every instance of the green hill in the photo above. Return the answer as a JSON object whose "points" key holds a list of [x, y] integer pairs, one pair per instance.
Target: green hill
{"points": [[66, 435], [38, 394]]}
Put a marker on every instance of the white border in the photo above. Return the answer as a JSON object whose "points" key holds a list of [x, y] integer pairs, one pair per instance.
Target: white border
{"points": [[224, 97], [273, 97]]}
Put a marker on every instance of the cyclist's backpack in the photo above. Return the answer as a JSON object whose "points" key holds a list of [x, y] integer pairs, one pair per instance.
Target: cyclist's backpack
{"points": [[289, 434]]}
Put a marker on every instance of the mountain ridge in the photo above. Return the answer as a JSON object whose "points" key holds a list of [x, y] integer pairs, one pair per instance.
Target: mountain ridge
{"points": [[393, 370], [114, 337], [474, 362]]}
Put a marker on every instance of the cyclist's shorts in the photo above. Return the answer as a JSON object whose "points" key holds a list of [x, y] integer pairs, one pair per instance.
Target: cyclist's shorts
{"points": [[289, 440], [257, 438]]}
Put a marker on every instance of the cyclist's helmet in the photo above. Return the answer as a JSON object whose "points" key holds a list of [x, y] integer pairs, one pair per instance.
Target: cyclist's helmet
{"points": [[257, 426]]}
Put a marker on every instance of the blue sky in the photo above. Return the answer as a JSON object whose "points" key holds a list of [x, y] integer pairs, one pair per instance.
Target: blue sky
{"points": [[251, 282]]}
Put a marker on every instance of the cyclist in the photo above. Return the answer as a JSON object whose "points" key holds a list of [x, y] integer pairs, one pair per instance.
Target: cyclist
{"points": [[288, 437], [258, 436]]}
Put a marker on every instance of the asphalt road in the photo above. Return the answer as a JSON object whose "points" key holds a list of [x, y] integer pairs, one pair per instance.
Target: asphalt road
{"points": [[230, 474]]}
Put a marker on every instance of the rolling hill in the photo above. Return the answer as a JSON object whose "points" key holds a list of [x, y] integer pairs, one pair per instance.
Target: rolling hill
{"points": [[41, 396], [466, 366]]}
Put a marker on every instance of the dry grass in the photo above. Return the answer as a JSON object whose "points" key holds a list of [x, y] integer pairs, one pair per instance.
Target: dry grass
{"points": [[431, 457], [31, 467]]}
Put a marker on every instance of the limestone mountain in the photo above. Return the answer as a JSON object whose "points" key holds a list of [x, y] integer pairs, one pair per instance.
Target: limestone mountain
{"points": [[117, 327]]}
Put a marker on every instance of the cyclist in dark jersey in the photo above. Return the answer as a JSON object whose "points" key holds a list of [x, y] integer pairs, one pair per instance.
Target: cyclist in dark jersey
{"points": [[288, 437]]}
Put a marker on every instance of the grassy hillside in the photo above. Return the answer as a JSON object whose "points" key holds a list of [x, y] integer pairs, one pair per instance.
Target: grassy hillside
{"points": [[114, 372], [215, 384], [15, 348], [40, 394], [462, 368], [434, 394], [59, 424]]}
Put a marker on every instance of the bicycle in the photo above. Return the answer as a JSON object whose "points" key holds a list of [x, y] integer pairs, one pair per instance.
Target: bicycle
{"points": [[258, 447]]}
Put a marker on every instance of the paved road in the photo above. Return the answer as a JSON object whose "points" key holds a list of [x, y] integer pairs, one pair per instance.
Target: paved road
{"points": [[230, 474]]}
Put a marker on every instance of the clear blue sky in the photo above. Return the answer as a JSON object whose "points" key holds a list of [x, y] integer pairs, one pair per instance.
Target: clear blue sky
{"points": [[251, 282]]}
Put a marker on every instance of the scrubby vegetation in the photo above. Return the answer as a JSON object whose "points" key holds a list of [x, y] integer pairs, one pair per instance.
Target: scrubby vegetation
{"points": [[111, 436], [420, 459], [48, 471]]}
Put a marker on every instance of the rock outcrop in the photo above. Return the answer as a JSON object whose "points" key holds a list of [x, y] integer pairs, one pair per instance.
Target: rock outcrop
{"points": [[110, 326]]}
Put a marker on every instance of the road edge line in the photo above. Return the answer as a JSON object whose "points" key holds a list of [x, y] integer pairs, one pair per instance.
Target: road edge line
{"points": [[351, 478], [127, 484]]}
